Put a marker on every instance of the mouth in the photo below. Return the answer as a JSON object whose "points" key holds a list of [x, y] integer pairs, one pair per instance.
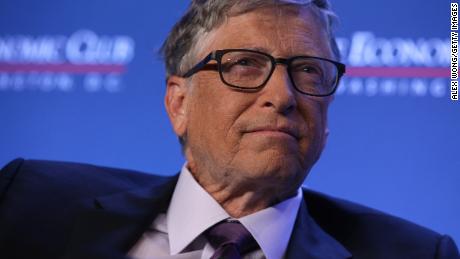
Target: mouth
{"points": [[275, 132]]}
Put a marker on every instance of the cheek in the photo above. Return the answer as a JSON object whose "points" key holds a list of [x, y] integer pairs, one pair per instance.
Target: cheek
{"points": [[214, 110], [314, 114]]}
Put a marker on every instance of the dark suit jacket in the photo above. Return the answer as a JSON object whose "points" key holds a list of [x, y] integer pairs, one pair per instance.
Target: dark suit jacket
{"points": [[67, 210]]}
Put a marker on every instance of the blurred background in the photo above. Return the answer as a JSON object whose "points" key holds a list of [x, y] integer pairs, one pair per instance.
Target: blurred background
{"points": [[82, 81]]}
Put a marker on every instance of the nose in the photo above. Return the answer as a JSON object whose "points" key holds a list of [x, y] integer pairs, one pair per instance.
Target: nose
{"points": [[279, 93]]}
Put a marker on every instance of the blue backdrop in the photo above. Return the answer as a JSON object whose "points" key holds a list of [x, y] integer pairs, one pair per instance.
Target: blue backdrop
{"points": [[81, 81]]}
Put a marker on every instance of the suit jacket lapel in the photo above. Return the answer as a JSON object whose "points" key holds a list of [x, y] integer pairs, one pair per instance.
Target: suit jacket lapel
{"points": [[113, 223], [309, 241]]}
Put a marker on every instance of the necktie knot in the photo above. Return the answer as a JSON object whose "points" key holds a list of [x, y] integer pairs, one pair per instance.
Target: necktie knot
{"points": [[230, 239]]}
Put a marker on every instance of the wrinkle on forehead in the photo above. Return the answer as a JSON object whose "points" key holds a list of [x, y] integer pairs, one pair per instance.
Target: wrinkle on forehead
{"points": [[292, 27]]}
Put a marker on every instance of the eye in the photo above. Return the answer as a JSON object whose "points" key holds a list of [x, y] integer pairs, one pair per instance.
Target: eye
{"points": [[244, 64], [307, 72], [309, 69], [247, 61]]}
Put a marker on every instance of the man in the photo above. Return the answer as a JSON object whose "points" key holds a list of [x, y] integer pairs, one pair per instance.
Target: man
{"points": [[248, 88]]}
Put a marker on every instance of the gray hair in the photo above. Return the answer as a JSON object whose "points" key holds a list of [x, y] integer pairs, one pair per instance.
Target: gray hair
{"points": [[203, 16]]}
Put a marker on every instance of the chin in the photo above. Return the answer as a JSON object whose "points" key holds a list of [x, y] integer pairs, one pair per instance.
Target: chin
{"points": [[277, 169]]}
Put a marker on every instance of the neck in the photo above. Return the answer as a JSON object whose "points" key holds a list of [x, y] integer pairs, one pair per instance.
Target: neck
{"points": [[241, 197]]}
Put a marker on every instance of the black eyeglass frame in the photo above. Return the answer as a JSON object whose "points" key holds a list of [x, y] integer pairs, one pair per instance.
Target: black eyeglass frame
{"points": [[218, 54]]}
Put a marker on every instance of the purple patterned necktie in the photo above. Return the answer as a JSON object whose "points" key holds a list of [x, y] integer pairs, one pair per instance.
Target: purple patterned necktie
{"points": [[230, 239]]}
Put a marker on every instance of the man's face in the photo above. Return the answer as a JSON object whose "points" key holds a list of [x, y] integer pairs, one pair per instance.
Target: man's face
{"points": [[241, 136]]}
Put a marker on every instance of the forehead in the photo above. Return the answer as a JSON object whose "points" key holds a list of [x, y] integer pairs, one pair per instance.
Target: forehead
{"points": [[285, 31]]}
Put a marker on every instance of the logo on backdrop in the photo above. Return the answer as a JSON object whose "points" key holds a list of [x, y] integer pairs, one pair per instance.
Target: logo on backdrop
{"points": [[379, 66], [64, 63]]}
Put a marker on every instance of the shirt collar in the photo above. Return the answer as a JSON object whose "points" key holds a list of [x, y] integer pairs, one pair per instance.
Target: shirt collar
{"points": [[191, 211], [186, 218], [280, 218]]}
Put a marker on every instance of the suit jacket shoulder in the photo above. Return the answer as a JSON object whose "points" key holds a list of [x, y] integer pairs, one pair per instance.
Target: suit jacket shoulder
{"points": [[75, 179], [40, 202], [369, 233]]}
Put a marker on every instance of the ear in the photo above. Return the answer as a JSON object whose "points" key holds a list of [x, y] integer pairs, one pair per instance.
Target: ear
{"points": [[328, 100], [175, 103], [326, 135]]}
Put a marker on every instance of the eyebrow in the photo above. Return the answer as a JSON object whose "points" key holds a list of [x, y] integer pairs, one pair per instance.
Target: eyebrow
{"points": [[265, 50], [261, 49]]}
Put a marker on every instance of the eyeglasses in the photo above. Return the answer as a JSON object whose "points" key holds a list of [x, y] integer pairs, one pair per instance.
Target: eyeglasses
{"points": [[250, 70]]}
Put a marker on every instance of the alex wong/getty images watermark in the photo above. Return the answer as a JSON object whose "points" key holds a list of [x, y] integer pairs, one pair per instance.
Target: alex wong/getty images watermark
{"points": [[454, 51]]}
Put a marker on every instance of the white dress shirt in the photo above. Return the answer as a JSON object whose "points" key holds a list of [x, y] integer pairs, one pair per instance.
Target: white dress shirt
{"points": [[178, 233]]}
